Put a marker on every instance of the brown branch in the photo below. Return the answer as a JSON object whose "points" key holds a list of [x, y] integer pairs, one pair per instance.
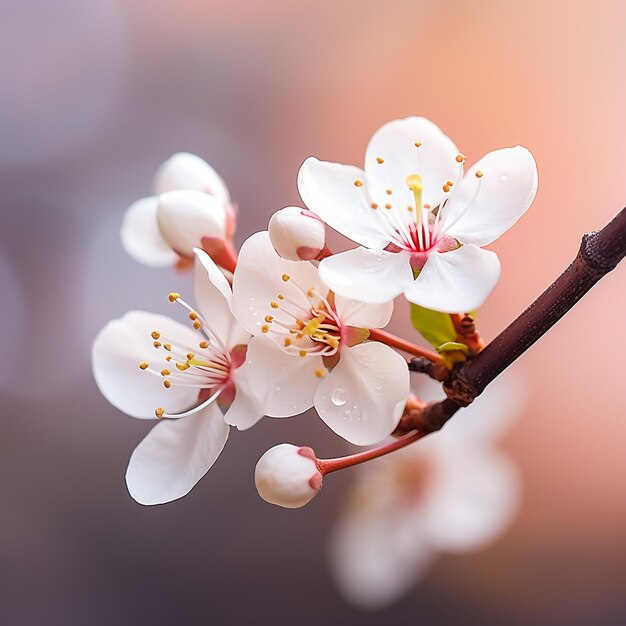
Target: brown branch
{"points": [[599, 253]]}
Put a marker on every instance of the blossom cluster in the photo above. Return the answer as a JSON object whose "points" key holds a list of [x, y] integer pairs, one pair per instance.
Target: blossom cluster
{"points": [[284, 325]]}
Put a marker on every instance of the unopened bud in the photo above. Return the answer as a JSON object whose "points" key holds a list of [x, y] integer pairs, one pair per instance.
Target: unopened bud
{"points": [[297, 234], [184, 217], [288, 476], [188, 171]]}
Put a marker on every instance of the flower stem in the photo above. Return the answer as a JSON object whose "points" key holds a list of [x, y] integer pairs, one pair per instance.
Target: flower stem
{"points": [[327, 466], [376, 334]]}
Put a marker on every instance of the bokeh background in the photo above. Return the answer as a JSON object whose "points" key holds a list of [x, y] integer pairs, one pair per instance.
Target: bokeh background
{"points": [[95, 94]]}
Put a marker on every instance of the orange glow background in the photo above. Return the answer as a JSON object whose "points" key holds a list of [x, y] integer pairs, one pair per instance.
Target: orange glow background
{"points": [[96, 95]]}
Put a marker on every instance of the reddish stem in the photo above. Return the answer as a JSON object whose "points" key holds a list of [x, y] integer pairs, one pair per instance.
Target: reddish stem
{"points": [[376, 334], [327, 466], [456, 322]]}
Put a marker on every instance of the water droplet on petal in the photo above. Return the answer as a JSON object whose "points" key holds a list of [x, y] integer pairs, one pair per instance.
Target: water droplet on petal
{"points": [[338, 397], [504, 177]]}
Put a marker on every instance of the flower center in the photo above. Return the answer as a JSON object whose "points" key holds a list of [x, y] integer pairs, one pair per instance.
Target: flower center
{"points": [[306, 326], [205, 366]]}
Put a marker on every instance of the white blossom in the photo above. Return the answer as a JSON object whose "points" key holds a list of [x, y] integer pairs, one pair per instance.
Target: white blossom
{"points": [[419, 220]]}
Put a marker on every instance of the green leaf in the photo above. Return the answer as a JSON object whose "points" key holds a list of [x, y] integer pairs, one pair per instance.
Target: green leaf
{"points": [[435, 327], [451, 346]]}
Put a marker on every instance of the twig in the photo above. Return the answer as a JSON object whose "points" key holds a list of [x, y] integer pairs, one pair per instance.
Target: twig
{"points": [[599, 253]]}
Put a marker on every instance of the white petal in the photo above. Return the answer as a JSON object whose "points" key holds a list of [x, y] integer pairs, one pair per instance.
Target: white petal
{"points": [[507, 189], [188, 171], [472, 501], [258, 281], [394, 142], [329, 191], [141, 237], [213, 297], [457, 281], [297, 234], [175, 455], [377, 553], [185, 217], [364, 395], [361, 315], [118, 350], [283, 384], [246, 410], [373, 276]]}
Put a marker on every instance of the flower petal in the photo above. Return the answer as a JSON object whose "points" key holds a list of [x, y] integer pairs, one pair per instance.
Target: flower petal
{"points": [[283, 384], [329, 190], [175, 455], [118, 350], [258, 280], [481, 209], [246, 410], [373, 276], [141, 237], [377, 552], [394, 142], [184, 217], [364, 395], [188, 171], [457, 281], [361, 315], [213, 297], [473, 500]]}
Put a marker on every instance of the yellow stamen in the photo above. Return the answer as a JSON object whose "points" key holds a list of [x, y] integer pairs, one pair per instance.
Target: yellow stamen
{"points": [[379, 160], [143, 365], [269, 319], [287, 342], [173, 296], [204, 344], [182, 366], [155, 334], [374, 205], [320, 373], [280, 296], [265, 328], [193, 315], [159, 412], [156, 344], [166, 373], [302, 353], [418, 144], [274, 305], [285, 277], [167, 384], [168, 346], [460, 158], [197, 325], [358, 183], [478, 174], [415, 184]]}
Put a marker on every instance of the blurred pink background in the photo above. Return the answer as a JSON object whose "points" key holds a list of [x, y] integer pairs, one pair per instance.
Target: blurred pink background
{"points": [[95, 95]]}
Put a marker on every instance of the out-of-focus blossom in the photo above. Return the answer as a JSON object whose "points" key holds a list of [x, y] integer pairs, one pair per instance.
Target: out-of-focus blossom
{"points": [[310, 348], [193, 372], [191, 209], [288, 476], [297, 234], [451, 492], [420, 221]]}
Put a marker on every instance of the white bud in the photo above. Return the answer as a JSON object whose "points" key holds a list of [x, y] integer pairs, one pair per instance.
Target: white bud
{"points": [[288, 476], [297, 234], [184, 217], [188, 171]]}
